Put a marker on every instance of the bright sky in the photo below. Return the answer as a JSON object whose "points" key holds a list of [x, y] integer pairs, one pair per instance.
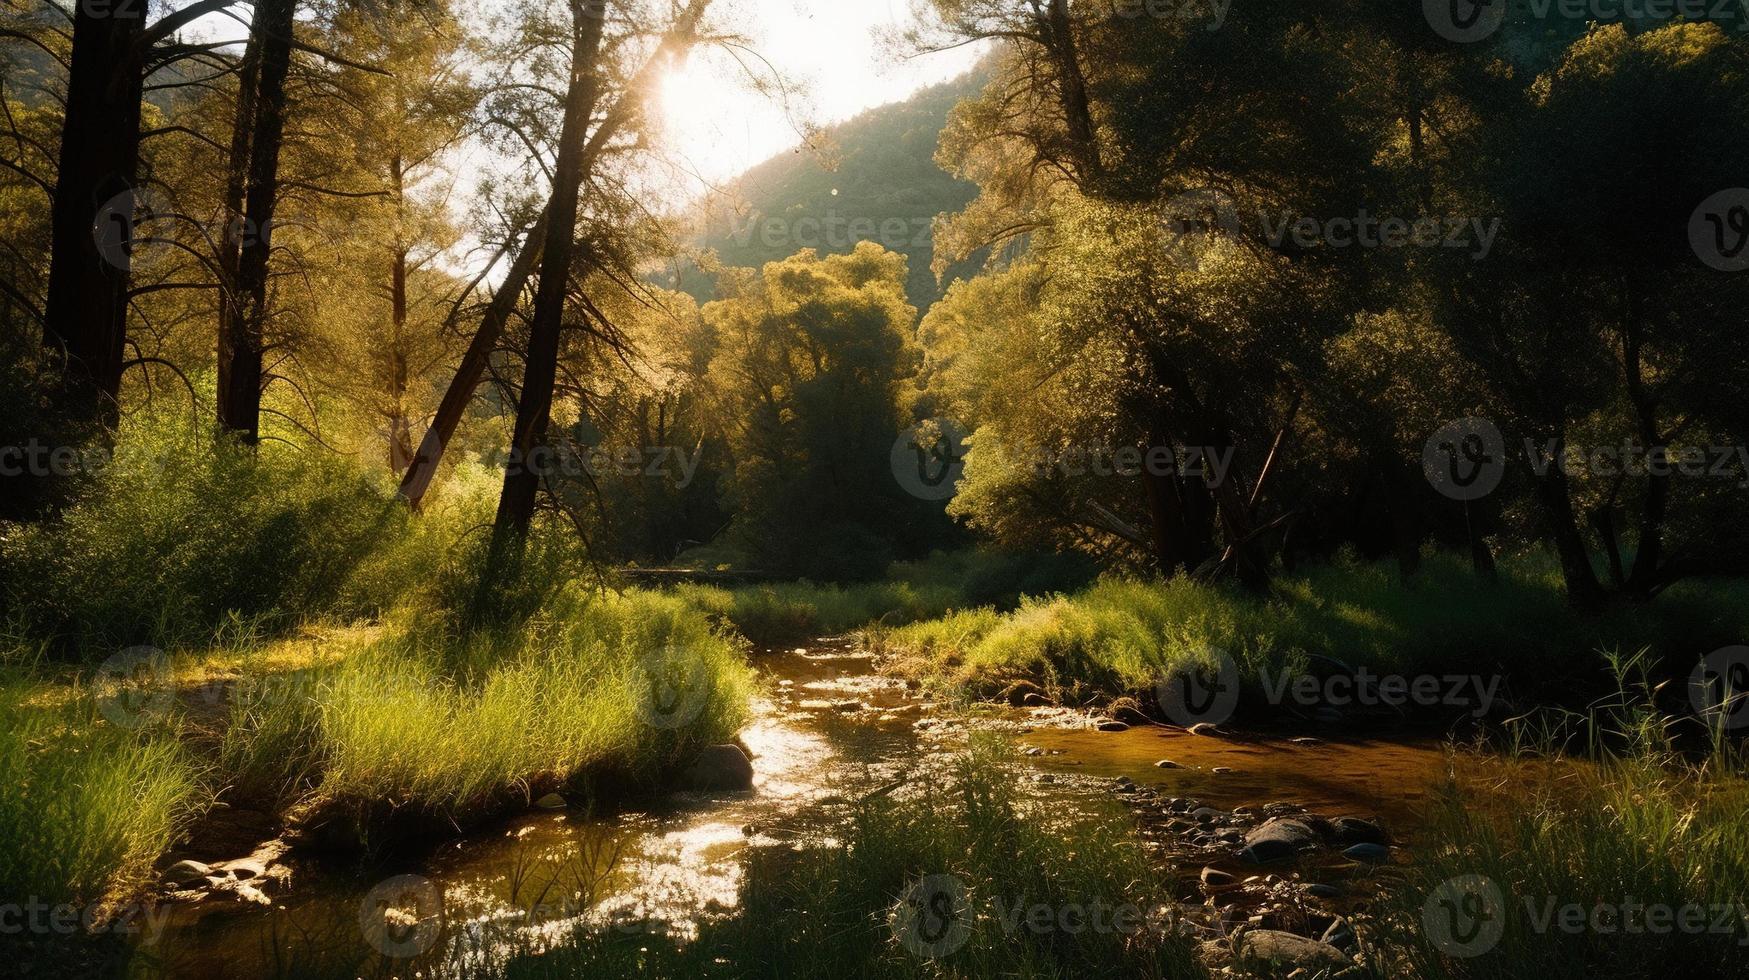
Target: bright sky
{"points": [[832, 51], [836, 55]]}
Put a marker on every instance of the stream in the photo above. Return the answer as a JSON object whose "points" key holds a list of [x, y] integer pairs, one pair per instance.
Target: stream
{"points": [[827, 726]]}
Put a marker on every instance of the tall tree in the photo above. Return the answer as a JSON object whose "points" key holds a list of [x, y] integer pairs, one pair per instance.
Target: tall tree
{"points": [[239, 404]]}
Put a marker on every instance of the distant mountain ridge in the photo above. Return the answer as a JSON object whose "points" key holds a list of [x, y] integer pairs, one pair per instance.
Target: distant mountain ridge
{"points": [[874, 180]]}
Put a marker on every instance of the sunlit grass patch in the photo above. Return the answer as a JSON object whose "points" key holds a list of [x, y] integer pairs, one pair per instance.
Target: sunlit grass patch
{"points": [[912, 591], [85, 806], [460, 728], [1123, 634]]}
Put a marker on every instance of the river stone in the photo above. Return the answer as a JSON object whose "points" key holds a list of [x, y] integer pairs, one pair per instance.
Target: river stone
{"points": [[1108, 725], [1033, 699], [1321, 890], [1216, 878], [1287, 949], [719, 767], [1277, 839], [1223, 770], [1204, 728], [1167, 764], [1354, 830], [1306, 740], [187, 873], [551, 801], [1017, 692], [1369, 853]]}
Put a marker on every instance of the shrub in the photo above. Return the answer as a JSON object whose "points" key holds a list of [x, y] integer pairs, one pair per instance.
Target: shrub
{"points": [[178, 535]]}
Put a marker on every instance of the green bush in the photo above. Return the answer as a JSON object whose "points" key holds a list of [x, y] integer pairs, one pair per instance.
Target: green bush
{"points": [[177, 536]]}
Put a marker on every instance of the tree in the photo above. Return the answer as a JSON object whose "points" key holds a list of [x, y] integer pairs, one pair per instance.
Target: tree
{"points": [[810, 358]]}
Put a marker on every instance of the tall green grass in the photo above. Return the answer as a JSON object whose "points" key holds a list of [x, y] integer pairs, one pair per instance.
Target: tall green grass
{"points": [[85, 807], [457, 728], [1630, 821], [1123, 635]]}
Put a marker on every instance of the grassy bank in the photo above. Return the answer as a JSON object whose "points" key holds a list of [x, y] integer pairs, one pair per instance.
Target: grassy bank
{"points": [[1630, 862], [471, 727], [1120, 636], [85, 806], [350, 727], [912, 591]]}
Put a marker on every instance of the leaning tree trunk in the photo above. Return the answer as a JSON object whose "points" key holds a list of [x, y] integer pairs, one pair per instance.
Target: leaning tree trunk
{"points": [[91, 218], [424, 464], [240, 402], [541, 363]]}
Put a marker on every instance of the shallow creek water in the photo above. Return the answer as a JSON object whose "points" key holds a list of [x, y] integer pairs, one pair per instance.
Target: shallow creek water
{"points": [[828, 726]]}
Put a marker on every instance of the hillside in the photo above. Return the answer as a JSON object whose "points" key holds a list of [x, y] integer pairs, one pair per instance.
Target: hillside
{"points": [[873, 177]]}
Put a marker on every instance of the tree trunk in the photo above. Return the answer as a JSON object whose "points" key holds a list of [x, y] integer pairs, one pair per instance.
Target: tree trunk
{"points": [[240, 409], [1649, 547], [231, 236], [450, 409], [1168, 532], [540, 368], [1072, 92], [1583, 589], [423, 466], [400, 437], [91, 217]]}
